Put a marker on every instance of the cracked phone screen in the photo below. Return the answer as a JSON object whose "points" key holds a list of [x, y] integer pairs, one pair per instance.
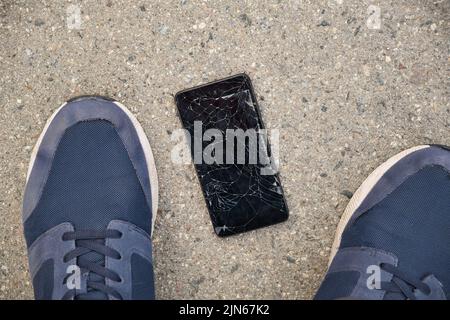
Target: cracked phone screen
{"points": [[231, 155]]}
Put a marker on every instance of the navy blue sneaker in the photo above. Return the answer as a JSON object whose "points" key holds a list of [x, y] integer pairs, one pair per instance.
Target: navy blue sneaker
{"points": [[394, 236], [90, 203]]}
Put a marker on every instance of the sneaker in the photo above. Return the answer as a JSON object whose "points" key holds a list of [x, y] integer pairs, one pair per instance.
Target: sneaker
{"points": [[89, 206], [394, 236]]}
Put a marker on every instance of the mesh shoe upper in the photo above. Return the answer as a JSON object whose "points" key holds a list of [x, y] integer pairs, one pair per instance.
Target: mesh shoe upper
{"points": [[92, 181], [411, 222]]}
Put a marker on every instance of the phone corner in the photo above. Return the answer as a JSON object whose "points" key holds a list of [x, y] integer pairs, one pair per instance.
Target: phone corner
{"points": [[177, 96], [244, 75]]}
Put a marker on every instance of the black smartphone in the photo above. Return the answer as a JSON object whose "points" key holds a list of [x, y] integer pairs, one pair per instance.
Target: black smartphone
{"points": [[232, 156]]}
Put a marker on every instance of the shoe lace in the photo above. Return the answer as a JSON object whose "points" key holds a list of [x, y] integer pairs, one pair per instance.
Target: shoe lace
{"points": [[89, 244], [401, 285]]}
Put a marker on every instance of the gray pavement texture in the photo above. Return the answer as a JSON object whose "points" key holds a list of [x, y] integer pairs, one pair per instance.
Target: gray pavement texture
{"points": [[345, 95]]}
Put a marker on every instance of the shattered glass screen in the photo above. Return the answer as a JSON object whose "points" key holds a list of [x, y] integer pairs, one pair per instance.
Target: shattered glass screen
{"points": [[239, 195]]}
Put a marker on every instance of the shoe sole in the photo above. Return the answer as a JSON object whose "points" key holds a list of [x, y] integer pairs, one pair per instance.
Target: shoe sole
{"points": [[142, 139], [362, 192]]}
